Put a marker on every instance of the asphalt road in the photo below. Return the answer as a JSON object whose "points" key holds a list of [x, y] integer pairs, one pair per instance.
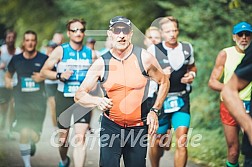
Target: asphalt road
{"points": [[47, 155]]}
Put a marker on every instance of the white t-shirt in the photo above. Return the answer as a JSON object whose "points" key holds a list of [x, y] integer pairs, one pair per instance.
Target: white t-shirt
{"points": [[5, 58]]}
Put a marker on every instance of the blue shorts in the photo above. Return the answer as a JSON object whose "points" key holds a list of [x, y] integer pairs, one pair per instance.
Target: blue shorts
{"points": [[175, 119]]}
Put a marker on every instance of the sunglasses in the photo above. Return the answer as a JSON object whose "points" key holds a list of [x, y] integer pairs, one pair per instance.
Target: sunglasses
{"points": [[246, 33], [125, 30], [75, 30]]}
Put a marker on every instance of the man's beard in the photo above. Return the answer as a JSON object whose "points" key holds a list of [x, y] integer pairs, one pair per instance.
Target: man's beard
{"points": [[242, 47]]}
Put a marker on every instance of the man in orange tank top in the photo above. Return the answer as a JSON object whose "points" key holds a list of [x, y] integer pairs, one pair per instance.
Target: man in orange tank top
{"points": [[124, 74]]}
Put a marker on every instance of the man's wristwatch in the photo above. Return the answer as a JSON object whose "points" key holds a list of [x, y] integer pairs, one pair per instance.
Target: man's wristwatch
{"points": [[158, 112], [58, 76]]}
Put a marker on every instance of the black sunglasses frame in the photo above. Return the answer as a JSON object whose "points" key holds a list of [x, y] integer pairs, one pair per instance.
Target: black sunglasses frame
{"points": [[82, 30], [125, 30], [246, 33]]}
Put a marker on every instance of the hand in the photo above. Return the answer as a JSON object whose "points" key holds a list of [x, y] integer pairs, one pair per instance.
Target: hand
{"points": [[8, 83], [104, 104], [37, 77], [187, 78], [152, 121], [2, 66], [167, 70], [66, 75]]}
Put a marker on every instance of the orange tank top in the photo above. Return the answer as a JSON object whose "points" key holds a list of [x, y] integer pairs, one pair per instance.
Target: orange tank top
{"points": [[124, 82]]}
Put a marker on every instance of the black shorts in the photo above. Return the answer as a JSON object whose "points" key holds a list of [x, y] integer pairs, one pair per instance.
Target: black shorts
{"points": [[131, 142], [66, 108], [30, 112], [50, 89], [5, 95]]}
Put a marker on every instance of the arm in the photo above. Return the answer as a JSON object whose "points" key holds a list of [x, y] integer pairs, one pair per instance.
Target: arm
{"points": [[8, 80], [83, 96], [37, 77], [94, 56], [189, 76], [2, 65], [53, 59], [214, 81], [230, 94], [155, 72]]}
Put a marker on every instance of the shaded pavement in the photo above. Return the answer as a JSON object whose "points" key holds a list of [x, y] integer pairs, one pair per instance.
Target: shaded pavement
{"points": [[47, 155]]}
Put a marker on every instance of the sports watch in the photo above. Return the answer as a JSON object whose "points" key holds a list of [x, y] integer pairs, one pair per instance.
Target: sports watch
{"points": [[158, 112], [58, 76]]}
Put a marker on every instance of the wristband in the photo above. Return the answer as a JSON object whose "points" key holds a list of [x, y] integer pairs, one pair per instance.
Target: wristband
{"points": [[58, 76], [158, 112]]}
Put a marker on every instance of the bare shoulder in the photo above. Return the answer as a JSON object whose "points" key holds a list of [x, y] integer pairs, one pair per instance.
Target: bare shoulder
{"points": [[98, 64], [97, 68], [222, 54], [149, 61], [57, 53], [147, 57], [94, 55]]}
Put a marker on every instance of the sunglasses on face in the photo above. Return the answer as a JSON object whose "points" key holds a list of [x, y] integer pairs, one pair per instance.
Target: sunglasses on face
{"points": [[125, 30], [75, 30], [246, 33]]}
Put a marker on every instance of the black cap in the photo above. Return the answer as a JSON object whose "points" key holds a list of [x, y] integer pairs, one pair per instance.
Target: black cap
{"points": [[119, 19]]}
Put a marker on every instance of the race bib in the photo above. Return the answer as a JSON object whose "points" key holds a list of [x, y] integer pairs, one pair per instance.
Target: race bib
{"points": [[78, 75], [79, 68], [173, 104], [29, 85], [70, 88]]}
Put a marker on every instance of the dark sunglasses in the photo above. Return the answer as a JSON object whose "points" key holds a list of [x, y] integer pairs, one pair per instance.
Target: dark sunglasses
{"points": [[247, 34], [125, 30], [82, 30]]}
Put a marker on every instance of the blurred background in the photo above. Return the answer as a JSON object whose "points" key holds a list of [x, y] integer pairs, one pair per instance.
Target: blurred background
{"points": [[207, 25]]}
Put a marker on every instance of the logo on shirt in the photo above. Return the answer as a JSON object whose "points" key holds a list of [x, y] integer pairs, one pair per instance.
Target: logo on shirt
{"points": [[165, 61], [84, 55], [186, 53], [71, 54], [37, 64]]}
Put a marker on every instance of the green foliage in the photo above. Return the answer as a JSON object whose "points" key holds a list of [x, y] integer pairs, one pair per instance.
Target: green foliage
{"points": [[98, 13], [208, 26], [22, 15], [211, 150], [205, 24]]}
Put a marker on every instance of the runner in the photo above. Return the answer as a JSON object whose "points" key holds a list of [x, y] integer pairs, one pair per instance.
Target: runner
{"points": [[7, 51], [178, 56], [123, 75], [73, 60], [30, 102], [226, 62]]}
